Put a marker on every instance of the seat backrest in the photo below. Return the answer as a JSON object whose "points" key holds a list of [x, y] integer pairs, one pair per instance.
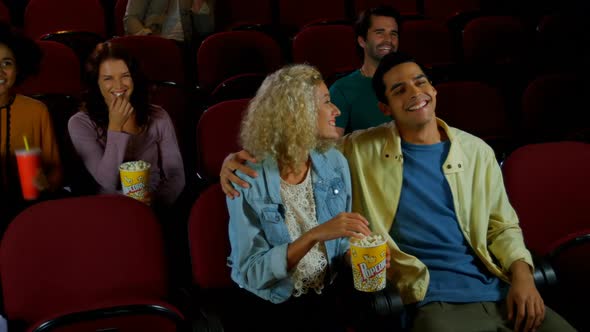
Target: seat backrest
{"points": [[209, 239], [429, 41], [160, 58], [237, 87], [442, 10], [545, 95], [83, 43], [295, 14], [70, 255], [225, 54], [4, 13], [174, 99], [58, 61], [547, 185], [496, 40], [233, 13], [217, 135], [405, 7], [47, 16], [558, 40], [61, 107], [456, 102], [330, 48], [118, 15]]}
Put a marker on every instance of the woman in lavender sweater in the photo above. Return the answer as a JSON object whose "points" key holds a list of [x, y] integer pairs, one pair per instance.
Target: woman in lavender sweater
{"points": [[117, 124]]}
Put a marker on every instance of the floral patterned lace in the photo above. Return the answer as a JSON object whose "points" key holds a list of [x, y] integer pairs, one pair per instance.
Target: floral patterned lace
{"points": [[300, 217]]}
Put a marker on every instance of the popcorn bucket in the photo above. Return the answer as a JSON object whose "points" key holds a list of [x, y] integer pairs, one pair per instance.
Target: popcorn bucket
{"points": [[135, 179], [368, 258]]}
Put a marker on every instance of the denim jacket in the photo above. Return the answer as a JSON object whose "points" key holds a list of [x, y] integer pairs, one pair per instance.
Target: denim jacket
{"points": [[258, 233]]}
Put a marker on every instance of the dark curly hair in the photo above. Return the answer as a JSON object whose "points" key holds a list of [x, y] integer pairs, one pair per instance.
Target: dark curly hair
{"points": [[93, 101], [27, 52]]}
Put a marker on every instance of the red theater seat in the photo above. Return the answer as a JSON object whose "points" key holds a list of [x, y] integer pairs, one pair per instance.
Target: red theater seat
{"points": [[217, 135], [92, 263], [48, 16], [226, 54], [330, 48]]}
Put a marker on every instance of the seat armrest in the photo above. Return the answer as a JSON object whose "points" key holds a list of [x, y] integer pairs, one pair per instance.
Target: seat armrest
{"points": [[544, 274], [384, 303]]}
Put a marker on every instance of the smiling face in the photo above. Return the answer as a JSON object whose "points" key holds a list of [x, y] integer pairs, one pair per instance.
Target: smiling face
{"points": [[114, 80], [382, 38], [327, 113], [7, 70], [411, 98]]}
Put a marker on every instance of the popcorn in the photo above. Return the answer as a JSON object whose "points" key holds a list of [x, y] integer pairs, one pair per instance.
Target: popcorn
{"points": [[368, 258], [133, 166], [135, 179], [368, 241]]}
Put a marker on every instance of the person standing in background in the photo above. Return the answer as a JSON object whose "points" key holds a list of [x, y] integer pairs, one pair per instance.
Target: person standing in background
{"points": [[180, 20], [187, 22]]}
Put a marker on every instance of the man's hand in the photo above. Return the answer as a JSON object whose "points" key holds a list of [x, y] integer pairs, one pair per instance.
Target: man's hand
{"points": [[525, 305], [231, 163], [144, 32]]}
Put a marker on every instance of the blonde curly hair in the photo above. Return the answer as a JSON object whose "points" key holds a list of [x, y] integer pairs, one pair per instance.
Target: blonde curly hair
{"points": [[281, 120]]}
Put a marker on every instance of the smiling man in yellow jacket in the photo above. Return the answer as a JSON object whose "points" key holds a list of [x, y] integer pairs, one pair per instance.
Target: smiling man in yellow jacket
{"points": [[437, 194]]}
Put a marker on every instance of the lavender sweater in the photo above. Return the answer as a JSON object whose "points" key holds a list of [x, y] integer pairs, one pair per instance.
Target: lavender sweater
{"points": [[156, 145]]}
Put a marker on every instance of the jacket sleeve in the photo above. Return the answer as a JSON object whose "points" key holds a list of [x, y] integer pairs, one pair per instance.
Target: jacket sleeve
{"points": [[101, 162], [505, 239], [257, 264], [172, 180], [345, 173]]}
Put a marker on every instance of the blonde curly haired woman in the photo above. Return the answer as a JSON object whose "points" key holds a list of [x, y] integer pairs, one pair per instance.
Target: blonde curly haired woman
{"points": [[289, 231]]}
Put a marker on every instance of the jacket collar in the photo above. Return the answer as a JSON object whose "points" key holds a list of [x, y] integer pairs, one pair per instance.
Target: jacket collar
{"points": [[455, 161]]}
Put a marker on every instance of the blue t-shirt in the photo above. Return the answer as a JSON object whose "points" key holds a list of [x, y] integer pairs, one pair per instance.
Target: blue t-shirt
{"points": [[426, 226]]}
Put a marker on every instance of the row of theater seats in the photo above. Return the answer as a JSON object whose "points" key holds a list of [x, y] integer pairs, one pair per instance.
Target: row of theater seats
{"points": [[99, 263], [515, 110], [468, 33], [476, 40], [290, 14], [234, 62], [475, 106]]}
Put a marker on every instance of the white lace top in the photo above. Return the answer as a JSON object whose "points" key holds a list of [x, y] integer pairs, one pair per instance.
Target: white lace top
{"points": [[300, 216]]}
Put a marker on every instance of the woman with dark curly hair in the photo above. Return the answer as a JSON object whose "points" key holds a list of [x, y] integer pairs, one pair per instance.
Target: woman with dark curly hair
{"points": [[21, 116], [116, 123]]}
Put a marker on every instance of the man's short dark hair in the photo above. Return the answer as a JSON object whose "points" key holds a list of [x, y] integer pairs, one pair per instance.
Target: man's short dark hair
{"points": [[361, 27], [389, 61]]}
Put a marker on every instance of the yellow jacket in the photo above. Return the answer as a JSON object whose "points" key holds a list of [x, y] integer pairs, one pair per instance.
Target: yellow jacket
{"points": [[485, 216]]}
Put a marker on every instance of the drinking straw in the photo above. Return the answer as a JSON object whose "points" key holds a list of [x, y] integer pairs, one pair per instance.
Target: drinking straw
{"points": [[26, 142]]}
